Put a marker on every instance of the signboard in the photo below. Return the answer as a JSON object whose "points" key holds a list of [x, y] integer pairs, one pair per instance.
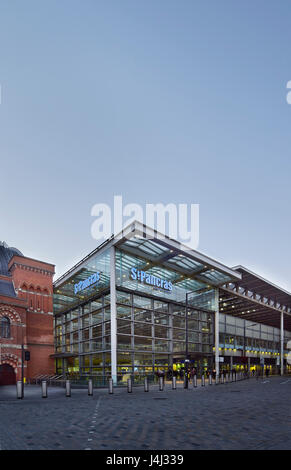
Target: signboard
{"points": [[150, 279], [93, 279]]}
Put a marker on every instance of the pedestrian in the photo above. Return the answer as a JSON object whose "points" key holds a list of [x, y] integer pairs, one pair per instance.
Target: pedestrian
{"points": [[267, 372]]}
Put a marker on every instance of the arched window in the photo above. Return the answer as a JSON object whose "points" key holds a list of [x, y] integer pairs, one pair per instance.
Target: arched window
{"points": [[5, 327]]}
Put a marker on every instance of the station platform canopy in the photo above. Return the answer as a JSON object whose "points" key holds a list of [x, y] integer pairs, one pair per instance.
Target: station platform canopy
{"points": [[256, 299]]}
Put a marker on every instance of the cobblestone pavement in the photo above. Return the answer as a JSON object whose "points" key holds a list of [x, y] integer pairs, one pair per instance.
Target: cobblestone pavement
{"points": [[250, 414]]}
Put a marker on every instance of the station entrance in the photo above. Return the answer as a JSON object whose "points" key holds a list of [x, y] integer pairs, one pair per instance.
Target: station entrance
{"points": [[200, 364]]}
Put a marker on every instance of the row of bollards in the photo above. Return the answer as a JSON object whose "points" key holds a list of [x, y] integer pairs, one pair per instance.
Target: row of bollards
{"points": [[44, 387], [223, 379]]}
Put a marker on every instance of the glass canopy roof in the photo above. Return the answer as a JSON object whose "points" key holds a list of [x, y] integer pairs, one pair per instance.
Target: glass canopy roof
{"points": [[161, 250], [159, 255]]}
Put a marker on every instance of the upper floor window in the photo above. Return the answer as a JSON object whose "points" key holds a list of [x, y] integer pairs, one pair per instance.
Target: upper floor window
{"points": [[5, 327]]}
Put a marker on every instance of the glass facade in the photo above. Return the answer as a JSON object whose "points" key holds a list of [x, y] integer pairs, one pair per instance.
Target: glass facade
{"points": [[80, 286], [164, 315], [239, 334], [151, 335]]}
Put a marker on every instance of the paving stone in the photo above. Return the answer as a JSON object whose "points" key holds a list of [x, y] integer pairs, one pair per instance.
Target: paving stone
{"points": [[258, 417]]}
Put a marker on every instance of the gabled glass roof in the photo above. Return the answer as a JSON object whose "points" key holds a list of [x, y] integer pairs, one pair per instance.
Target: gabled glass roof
{"points": [[163, 251], [159, 255]]}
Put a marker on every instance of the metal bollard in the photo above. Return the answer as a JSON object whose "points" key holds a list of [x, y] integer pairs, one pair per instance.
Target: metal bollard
{"points": [[129, 385], [19, 389], [210, 379], [44, 389], [216, 380], [110, 386], [161, 384], [223, 379], [146, 384], [68, 388], [202, 381], [90, 387], [195, 381], [174, 383]]}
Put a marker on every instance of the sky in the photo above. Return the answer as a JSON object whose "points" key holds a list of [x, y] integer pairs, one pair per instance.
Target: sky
{"points": [[159, 101]]}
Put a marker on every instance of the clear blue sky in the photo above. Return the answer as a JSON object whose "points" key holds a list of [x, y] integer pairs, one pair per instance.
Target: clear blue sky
{"points": [[157, 100]]}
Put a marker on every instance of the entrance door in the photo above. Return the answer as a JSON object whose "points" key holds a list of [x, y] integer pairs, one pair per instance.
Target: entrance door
{"points": [[7, 375]]}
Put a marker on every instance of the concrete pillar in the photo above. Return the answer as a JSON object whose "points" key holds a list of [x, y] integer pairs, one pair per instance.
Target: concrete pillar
{"points": [[282, 344], [113, 316], [216, 332]]}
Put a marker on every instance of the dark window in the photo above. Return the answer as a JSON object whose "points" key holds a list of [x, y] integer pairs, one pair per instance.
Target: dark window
{"points": [[5, 327]]}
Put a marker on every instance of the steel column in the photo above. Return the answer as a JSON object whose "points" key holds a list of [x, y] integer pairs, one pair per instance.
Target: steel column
{"points": [[282, 344], [216, 337], [113, 316]]}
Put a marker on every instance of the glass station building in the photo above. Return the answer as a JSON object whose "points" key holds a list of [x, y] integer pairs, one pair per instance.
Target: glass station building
{"points": [[142, 302]]}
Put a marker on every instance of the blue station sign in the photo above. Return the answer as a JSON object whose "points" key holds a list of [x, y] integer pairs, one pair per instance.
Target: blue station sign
{"points": [[82, 285], [150, 279]]}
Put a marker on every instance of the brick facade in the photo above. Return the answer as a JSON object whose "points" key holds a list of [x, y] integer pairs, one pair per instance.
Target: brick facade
{"points": [[30, 314]]}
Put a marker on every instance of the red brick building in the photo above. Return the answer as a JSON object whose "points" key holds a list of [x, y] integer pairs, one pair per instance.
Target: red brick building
{"points": [[26, 316]]}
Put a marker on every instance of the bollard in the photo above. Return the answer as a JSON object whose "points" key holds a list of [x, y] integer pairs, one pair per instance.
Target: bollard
{"points": [[174, 383], [223, 379], [195, 381], [19, 389], [202, 381], [210, 379], [44, 389], [146, 384], [129, 385], [110, 386], [68, 388], [90, 387], [216, 380], [161, 384]]}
